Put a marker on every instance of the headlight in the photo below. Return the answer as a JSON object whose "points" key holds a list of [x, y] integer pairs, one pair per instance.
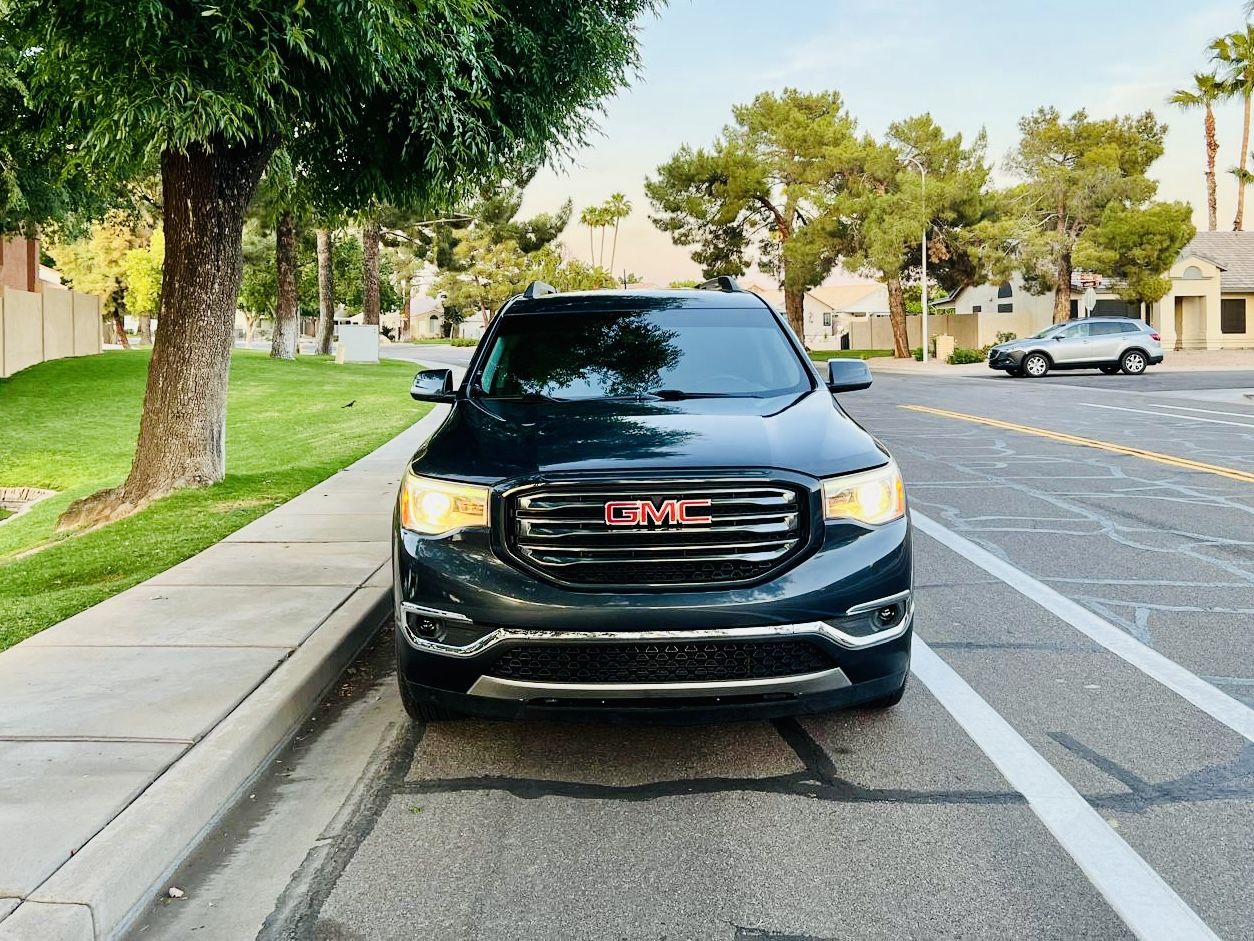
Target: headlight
{"points": [[435, 507], [874, 496]]}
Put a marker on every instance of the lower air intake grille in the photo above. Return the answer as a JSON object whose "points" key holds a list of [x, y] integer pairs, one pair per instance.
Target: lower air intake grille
{"points": [[678, 662]]}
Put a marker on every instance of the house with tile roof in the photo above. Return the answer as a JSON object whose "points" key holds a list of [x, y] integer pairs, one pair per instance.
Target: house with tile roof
{"points": [[1212, 292]]}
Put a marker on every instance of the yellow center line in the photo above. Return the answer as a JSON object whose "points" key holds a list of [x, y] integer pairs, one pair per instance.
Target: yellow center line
{"points": [[1231, 473]]}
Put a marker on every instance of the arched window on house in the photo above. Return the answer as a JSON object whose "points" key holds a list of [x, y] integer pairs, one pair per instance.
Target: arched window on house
{"points": [[1005, 302], [1192, 273]]}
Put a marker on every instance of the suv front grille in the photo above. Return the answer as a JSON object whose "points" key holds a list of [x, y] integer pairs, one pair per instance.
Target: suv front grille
{"points": [[671, 662], [561, 532]]}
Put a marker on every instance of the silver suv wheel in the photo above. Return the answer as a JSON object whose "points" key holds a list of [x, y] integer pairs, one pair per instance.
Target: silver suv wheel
{"points": [[1133, 362], [1035, 365]]}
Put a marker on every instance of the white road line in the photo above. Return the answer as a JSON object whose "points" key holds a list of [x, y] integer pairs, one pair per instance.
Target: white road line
{"points": [[1147, 904], [1218, 705], [1141, 411], [1208, 411]]}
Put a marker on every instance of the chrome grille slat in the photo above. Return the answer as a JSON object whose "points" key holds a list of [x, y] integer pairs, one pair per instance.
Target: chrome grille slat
{"points": [[546, 532], [560, 530]]}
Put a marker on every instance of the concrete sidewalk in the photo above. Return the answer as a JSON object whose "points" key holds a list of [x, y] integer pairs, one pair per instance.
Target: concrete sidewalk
{"points": [[126, 729]]}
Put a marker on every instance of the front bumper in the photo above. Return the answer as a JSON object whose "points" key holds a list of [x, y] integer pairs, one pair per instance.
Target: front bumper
{"points": [[460, 609], [1001, 359]]}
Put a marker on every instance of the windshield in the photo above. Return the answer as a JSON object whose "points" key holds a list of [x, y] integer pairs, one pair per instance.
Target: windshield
{"points": [[1050, 331], [666, 353]]}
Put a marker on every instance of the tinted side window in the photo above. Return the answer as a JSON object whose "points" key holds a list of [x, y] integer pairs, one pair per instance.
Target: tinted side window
{"points": [[1106, 329]]}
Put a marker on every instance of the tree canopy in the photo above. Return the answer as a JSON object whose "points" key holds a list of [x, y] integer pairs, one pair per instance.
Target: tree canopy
{"points": [[377, 102], [756, 187], [1072, 170]]}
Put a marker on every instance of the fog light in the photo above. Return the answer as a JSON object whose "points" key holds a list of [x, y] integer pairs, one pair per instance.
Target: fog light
{"points": [[421, 626], [887, 616]]}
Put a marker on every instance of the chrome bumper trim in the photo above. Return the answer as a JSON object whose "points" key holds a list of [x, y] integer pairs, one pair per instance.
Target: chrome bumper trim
{"points": [[818, 629], [493, 687]]}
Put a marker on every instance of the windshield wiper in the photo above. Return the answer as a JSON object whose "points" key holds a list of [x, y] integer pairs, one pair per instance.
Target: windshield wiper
{"points": [[674, 395], [525, 397]]}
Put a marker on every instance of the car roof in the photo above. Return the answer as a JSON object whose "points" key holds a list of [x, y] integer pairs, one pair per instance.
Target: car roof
{"points": [[594, 301]]}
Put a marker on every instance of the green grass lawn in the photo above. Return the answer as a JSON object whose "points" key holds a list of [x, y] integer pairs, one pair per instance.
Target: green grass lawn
{"points": [[824, 355], [4, 514], [70, 426]]}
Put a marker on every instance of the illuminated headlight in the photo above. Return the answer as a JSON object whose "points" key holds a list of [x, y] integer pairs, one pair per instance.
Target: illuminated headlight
{"points": [[873, 497], [435, 507]]}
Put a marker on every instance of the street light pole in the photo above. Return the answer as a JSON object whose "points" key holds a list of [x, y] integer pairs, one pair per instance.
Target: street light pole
{"points": [[926, 225]]}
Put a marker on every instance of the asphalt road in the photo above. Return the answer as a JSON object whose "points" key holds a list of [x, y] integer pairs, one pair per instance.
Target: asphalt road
{"points": [[1072, 758]]}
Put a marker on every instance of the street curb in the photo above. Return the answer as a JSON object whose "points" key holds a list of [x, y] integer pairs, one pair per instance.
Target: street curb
{"points": [[97, 893]]}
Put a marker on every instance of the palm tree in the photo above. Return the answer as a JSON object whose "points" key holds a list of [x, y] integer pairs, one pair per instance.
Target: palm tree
{"points": [[617, 209], [591, 218], [1206, 90], [1236, 53]]}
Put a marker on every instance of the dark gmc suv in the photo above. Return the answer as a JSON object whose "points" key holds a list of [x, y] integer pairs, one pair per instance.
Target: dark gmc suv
{"points": [[649, 503]]}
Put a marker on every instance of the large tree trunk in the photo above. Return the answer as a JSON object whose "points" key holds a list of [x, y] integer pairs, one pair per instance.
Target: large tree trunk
{"points": [[370, 234], [1239, 221], [1212, 148], [897, 318], [182, 432], [794, 307], [1062, 294], [286, 341], [326, 295]]}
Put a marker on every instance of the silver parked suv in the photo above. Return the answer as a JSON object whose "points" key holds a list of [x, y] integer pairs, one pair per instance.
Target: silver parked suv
{"points": [[1110, 344]]}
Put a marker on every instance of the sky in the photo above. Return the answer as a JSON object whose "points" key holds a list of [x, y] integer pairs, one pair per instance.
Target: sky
{"points": [[972, 64]]}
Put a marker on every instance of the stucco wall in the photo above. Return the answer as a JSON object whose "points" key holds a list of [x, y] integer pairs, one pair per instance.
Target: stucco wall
{"points": [[87, 334], [23, 330], [49, 325], [971, 331], [58, 323]]}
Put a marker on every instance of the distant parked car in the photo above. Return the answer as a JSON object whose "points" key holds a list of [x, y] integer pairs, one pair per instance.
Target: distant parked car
{"points": [[1111, 344]]}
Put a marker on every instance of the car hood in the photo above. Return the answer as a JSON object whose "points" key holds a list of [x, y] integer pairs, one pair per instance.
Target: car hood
{"points": [[488, 441]]}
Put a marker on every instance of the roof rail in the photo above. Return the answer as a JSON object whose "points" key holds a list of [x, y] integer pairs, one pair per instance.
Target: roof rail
{"points": [[539, 289], [723, 282]]}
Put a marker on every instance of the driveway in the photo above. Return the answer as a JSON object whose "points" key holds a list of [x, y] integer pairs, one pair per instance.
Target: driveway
{"points": [[1072, 758]]}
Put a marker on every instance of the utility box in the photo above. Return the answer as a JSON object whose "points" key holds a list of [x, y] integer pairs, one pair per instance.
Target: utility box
{"points": [[357, 343], [944, 347]]}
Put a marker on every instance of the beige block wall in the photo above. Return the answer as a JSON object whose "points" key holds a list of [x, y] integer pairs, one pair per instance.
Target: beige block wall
{"points": [[58, 323], [23, 330], [86, 324], [970, 331], [47, 325]]}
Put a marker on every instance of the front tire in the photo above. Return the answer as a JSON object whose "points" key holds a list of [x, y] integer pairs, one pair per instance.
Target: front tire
{"points": [[1133, 363], [1035, 365]]}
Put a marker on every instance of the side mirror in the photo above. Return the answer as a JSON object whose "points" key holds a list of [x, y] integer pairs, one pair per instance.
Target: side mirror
{"points": [[433, 385], [848, 375]]}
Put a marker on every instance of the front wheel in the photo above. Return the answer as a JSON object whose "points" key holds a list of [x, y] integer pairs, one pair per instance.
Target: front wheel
{"points": [[1035, 365], [1133, 362], [1109, 370]]}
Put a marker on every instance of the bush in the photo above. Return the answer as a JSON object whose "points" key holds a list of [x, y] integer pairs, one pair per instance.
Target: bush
{"points": [[1006, 336], [963, 355], [462, 341]]}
